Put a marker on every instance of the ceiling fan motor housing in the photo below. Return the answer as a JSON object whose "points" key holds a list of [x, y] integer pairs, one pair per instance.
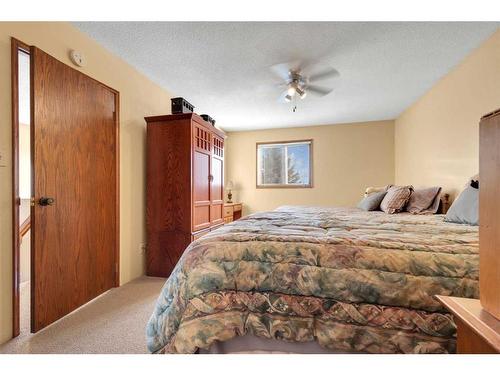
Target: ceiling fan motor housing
{"points": [[296, 85]]}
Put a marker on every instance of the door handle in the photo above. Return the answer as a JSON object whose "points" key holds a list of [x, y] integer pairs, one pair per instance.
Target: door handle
{"points": [[45, 201], [210, 178]]}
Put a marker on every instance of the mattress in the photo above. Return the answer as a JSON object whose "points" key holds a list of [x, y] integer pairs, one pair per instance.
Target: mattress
{"points": [[348, 280]]}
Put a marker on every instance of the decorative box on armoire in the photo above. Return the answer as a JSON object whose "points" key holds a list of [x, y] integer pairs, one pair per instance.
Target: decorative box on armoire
{"points": [[489, 213], [184, 186]]}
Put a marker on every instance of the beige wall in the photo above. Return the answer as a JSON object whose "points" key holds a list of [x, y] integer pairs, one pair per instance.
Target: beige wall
{"points": [[436, 139], [346, 159], [139, 97]]}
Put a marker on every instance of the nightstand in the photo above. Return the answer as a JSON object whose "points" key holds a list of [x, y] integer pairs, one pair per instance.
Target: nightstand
{"points": [[478, 332], [232, 212]]}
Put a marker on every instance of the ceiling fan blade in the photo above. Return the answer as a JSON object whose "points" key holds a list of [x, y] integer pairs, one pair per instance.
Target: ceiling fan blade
{"points": [[325, 74], [318, 90], [282, 71]]}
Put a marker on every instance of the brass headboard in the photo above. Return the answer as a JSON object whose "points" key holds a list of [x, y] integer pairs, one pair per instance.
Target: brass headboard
{"points": [[445, 203]]}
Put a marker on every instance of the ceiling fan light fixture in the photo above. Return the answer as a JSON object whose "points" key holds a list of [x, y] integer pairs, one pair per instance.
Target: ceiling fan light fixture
{"points": [[302, 93], [291, 90]]}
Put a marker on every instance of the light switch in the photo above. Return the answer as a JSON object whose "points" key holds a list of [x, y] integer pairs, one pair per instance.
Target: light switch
{"points": [[3, 158]]}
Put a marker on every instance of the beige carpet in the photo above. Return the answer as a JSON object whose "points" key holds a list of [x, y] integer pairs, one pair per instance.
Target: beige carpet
{"points": [[112, 323], [24, 306]]}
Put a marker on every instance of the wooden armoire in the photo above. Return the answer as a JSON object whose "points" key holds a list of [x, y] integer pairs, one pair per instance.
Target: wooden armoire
{"points": [[184, 186]]}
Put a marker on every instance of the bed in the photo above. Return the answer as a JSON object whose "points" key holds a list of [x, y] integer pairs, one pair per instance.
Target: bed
{"points": [[325, 279]]}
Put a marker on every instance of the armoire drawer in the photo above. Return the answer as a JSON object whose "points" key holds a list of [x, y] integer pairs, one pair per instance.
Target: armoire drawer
{"points": [[201, 233], [216, 227]]}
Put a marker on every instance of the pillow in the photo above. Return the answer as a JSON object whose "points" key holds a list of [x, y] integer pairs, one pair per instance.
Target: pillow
{"points": [[465, 209], [372, 201], [395, 199], [434, 207], [423, 201]]}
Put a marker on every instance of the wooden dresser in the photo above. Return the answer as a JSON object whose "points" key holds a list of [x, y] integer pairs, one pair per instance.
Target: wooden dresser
{"points": [[478, 332], [184, 186], [232, 212], [489, 207]]}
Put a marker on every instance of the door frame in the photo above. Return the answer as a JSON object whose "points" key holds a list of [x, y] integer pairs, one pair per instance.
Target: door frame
{"points": [[16, 46]]}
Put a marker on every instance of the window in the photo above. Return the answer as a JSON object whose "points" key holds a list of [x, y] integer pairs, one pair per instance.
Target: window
{"points": [[284, 164]]}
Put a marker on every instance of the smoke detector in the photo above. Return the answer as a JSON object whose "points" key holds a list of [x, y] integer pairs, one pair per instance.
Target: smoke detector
{"points": [[77, 58]]}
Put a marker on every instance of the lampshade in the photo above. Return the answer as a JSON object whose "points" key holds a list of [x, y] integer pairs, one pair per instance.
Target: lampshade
{"points": [[229, 185]]}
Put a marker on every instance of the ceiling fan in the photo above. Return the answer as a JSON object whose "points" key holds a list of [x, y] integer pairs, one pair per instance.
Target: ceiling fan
{"points": [[302, 78]]}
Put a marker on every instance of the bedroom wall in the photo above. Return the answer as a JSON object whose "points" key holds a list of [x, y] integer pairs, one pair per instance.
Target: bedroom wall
{"points": [[139, 97], [437, 139], [346, 159]]}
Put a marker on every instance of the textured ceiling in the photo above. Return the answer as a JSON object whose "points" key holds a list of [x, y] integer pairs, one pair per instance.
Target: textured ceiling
{"points": [[223, 68]]}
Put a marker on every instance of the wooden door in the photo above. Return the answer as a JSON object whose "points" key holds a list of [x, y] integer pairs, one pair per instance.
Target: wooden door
{"points": [[74, 244], [217, 179], [201, 177]]}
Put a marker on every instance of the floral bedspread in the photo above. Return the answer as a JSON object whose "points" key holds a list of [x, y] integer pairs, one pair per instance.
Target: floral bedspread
{"points": [[354, 281]]}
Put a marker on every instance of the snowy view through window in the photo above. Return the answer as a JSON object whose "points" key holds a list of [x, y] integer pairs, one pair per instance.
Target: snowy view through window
{"points": [[284, 164]]}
